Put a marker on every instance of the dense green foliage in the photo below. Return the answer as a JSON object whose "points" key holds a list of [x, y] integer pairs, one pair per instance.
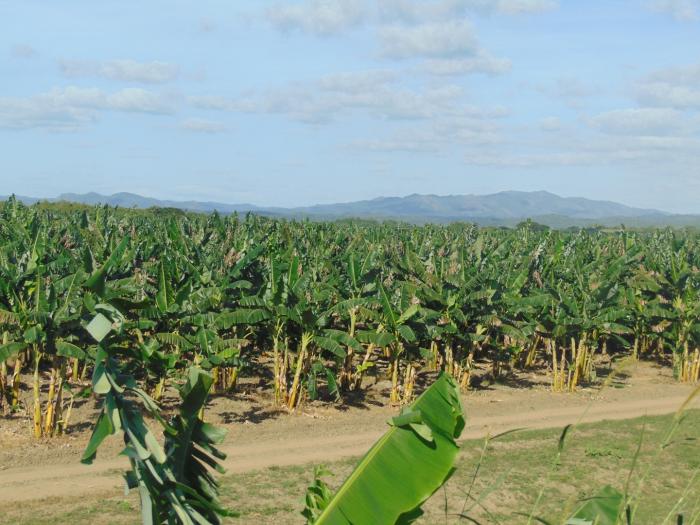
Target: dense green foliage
{"points": [[315, 307]]}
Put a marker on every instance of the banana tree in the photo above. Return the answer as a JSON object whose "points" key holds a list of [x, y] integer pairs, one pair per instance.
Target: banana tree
{"points": [[394, 318], [442, 316], [356, 291], [173, 480], [313, 339]]}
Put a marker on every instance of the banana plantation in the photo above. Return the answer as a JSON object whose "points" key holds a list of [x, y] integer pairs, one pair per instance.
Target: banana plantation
{"points": [[321, 310]]}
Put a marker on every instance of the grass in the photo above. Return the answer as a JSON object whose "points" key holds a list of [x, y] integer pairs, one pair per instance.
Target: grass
{"points": [[517, 467], [514, 470]]}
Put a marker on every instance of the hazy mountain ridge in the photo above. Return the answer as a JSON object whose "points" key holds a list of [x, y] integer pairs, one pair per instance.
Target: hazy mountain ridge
{"points": [[504, 205], [498, 209], [132, 200]]}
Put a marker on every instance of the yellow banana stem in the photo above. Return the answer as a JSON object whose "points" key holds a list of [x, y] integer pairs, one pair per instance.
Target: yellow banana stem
{"points": [[15, 381], [37, 399], [294, 394], [49, 414]]}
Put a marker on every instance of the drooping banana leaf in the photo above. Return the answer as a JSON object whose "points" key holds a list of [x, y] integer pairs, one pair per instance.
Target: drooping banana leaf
{"points": [[406, 466]]}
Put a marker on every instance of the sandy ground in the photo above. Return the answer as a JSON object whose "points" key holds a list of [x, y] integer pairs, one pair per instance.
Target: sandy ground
{"points": [[259, 437]]}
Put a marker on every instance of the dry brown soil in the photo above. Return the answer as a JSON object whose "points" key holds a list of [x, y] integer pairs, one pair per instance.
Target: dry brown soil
{"points": [[260, 437]]}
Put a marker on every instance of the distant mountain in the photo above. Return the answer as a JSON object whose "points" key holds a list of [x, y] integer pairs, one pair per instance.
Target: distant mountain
{"points": [[504, 205], [131, 200], [499, 209]]}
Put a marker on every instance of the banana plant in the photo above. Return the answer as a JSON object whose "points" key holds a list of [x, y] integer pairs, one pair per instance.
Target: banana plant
{"points": [[356, 289], [173, 480], [314, 339], [419, 449], [394, 320]]}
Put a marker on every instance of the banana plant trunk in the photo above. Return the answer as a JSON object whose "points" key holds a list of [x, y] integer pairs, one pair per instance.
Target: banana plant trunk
{"points": [[3, 386], [50, 408], [75, 368], [360, 374], [3, 376], [296, 383], [15, 381], [58, 422], [279, 368], [346, 374], [159, 389], [36, 391], [395, 397]]}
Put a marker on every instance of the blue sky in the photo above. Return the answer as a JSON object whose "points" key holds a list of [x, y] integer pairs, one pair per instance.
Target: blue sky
{"points": [[298, 102]]}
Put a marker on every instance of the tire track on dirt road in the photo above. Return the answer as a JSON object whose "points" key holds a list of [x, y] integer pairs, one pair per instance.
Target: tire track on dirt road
{"points": [[35, 482]]}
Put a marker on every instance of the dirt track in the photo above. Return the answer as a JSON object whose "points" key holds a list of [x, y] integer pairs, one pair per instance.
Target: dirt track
{"points": [[329, 434]]}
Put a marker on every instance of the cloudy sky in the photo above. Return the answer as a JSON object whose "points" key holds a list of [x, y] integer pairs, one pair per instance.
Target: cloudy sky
{"points": [[313, 101]]}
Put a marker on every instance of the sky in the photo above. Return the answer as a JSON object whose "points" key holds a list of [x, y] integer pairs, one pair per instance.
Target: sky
{"points": [[292, 103]]}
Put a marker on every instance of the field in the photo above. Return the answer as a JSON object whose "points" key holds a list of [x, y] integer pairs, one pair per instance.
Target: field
{"points": [[316, 333]]}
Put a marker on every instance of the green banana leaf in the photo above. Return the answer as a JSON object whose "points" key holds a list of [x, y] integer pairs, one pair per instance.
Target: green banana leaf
{"points": [[10, 350], [602, 509], [406, 466]]}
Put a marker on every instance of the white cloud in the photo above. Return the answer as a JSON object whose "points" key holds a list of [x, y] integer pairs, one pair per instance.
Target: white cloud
{"points": [[420, 11], [550, 124], [427, 119], [377, 94], [481, 63], [533, 160], [199, 125], [643, 122], [681, 75], [410, 143], [518, 7], [435, 30], [677, 87], [357, 81], [319, 17], [624, 148], [433, 40], [646, 153], [71, 107], [686, 10], [329, 17], [136, 100], [23, 51], [154, 72], [213, 102], [666, 94], [439, 134], [571, 90], [48, 111]]}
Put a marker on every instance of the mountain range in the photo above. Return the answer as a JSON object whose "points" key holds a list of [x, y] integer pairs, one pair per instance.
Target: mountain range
{"points": [[499, 209]]}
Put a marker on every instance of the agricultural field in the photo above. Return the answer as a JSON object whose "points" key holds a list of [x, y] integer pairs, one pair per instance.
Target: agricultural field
{"points": [[319, 327]]}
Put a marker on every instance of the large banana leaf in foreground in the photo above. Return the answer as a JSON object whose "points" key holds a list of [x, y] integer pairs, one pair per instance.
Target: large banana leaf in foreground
{"points": [[406, 466]]}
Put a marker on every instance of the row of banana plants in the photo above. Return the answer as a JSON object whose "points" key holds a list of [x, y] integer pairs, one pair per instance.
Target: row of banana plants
{"points": [[317, 307]]}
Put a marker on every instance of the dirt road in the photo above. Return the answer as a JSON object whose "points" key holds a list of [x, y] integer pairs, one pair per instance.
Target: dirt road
{"points": [[325, 434]]}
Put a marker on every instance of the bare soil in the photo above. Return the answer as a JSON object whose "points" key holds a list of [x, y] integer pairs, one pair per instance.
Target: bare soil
{"points": [[260, 436]]}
